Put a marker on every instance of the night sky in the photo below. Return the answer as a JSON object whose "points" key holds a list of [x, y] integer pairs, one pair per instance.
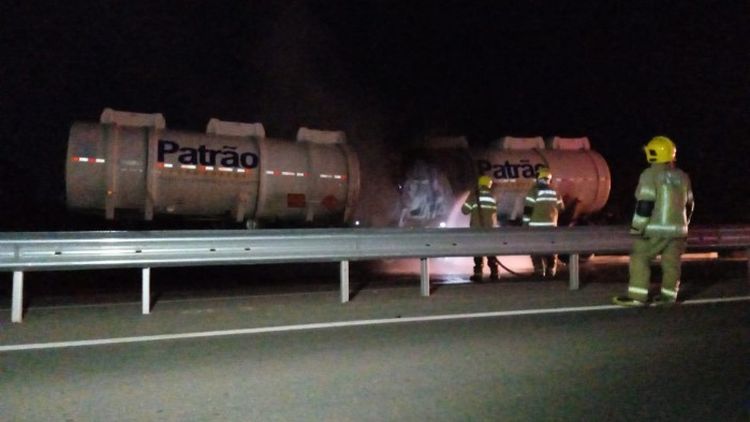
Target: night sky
{"points": [[388, 73]]}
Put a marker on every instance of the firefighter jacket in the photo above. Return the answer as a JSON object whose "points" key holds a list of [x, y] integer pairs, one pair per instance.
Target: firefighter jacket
{"points": [[482, 207], [664, 202], [542, 206]]}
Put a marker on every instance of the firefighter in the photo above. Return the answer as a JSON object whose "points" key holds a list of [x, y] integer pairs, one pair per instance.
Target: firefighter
{"points": [[483, 209], [664, 207], [541, 208]]}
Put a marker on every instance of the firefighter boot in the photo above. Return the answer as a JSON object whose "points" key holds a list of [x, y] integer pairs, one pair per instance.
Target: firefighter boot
{"points": [[627, 301], [478, 265], [663, 301], [540, 265], [552, 267], [493, 264]]}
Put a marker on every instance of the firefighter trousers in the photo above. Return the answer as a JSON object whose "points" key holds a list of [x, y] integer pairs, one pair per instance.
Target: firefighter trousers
{"points": [[646, 249], [491, 263], [545, 265]]}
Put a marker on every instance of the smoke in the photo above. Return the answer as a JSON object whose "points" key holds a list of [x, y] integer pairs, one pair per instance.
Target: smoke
{"points": [[302, 80], [453, 270]]}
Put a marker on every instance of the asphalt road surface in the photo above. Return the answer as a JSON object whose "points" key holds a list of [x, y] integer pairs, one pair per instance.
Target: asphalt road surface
{"points": [[509, 351]]}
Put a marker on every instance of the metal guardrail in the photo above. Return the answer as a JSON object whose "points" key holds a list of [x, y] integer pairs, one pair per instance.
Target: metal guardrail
{"points": [[20, 252]]}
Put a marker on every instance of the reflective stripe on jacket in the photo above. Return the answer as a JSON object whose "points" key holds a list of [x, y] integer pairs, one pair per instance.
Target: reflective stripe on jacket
{"points": [[669, 189], [482, 207], [542, 206]]}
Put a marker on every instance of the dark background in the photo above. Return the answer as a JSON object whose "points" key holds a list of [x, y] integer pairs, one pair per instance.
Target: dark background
{"points": [[388, 73]]}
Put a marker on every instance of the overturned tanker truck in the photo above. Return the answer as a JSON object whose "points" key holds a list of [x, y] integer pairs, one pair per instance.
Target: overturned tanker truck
{"points": [[130, 166]]}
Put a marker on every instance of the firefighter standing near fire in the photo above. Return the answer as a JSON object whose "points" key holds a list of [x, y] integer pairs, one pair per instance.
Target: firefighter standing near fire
{"points": [[541, 208], [662, 213], [482, 207]]}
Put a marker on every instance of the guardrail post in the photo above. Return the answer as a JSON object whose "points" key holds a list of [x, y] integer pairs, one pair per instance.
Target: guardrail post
{"points": [[146, 290], [344, 276], [16, 313], [574, 283], [424, 274]]}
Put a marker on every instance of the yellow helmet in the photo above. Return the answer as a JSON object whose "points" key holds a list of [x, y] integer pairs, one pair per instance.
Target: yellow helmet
{"points": [[544, 174], [660, 149], [484, 182]]}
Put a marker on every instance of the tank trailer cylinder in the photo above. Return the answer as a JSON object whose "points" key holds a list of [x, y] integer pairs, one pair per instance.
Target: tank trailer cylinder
{"points": [[149, 170]]}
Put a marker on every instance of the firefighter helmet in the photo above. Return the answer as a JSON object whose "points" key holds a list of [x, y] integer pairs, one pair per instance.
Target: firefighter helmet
{"points": [[660, 149], [544, 174], [484, 182]]}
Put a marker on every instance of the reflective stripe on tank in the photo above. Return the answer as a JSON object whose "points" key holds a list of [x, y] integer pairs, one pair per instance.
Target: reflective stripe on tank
{"points": [[199, 168], [292, 173], [301, 174], [219, 169], [91, 160]]}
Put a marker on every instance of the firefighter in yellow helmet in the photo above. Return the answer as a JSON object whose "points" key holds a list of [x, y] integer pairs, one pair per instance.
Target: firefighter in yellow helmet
{"points": [[541, 208], [482, 207], [662, 213]]}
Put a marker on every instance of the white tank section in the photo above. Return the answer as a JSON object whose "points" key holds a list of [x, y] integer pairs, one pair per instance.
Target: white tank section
{"points": [[234, 171], [581, 177]]}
